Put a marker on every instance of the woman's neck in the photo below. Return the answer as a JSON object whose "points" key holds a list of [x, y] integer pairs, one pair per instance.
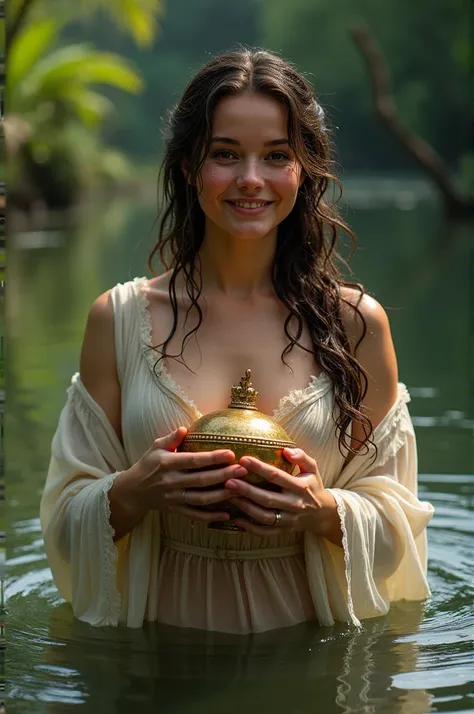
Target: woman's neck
{"points": [[237, 267]]}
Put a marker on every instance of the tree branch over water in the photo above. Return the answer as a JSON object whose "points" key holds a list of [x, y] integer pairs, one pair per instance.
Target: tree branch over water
{"points": [[456, 204]]}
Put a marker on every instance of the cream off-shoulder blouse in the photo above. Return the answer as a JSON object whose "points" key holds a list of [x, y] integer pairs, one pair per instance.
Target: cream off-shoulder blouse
{"points": [[169, 571]]}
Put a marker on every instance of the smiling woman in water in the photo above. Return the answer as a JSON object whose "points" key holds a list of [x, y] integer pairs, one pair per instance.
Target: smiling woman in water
{"points": [[248, 239]]}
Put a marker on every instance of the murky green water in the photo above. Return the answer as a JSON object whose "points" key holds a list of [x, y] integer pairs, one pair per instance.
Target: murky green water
{"points": [[417, 659]]}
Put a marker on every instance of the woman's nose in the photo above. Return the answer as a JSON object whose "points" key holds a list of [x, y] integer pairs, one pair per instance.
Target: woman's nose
{"points": [[250, 176]]}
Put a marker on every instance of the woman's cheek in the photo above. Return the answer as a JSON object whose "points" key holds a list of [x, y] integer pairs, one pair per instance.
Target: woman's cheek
{"points": [[291, 178], [286, 187], [215, 181]]}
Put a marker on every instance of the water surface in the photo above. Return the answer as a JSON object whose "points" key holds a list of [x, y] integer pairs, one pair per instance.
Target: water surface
{"points": [[417, 659]]}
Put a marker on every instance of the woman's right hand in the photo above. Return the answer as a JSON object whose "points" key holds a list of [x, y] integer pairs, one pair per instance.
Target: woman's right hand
{"points": [[168, 480]]}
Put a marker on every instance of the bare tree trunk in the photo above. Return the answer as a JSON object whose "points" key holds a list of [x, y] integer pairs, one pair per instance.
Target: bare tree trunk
{"points": [[456, 204]]}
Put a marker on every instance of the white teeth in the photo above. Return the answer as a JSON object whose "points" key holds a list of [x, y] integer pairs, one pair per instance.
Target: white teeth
{"points": [[245, 204]]}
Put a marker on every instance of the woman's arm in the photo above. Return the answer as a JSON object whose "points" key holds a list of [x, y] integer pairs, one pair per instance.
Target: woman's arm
{"points": [[375, 353], [98, 365], [98, 370]]}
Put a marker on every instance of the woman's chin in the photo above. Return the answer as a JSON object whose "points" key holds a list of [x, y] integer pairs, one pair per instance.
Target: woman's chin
{"points": [[252, 232]]}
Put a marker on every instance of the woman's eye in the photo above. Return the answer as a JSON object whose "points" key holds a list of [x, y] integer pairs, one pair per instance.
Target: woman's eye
{"points": [[223, 154], [279, 156]]}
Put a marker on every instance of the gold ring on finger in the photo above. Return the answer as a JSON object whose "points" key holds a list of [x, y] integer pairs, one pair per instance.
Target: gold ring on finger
{"points": [[183, 495], [277, 520]]}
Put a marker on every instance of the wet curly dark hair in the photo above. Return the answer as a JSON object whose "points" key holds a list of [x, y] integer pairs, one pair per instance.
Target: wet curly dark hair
{"points": [[307, 274]]}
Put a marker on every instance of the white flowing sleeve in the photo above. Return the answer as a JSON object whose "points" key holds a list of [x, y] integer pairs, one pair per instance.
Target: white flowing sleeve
{"points": [[86, 455], [384, 553]]}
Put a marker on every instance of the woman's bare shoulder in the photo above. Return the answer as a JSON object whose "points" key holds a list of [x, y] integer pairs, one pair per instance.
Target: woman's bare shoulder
{"points": [[371, 342], [98, 367], [356, 303]]}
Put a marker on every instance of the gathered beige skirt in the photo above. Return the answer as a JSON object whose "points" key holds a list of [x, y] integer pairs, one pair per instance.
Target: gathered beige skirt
{"points": [[230, 582]]}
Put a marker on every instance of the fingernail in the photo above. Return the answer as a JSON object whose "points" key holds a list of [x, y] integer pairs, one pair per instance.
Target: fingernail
{"points": [[240, 471], [293, 452], [231, 484]]}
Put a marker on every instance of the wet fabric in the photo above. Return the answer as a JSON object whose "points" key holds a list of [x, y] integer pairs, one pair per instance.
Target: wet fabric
{"points": [[169, 571]]}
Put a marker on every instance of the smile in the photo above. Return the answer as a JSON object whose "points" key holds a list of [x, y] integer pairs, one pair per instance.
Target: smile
{"points": [[250, 208], [250, 204]]}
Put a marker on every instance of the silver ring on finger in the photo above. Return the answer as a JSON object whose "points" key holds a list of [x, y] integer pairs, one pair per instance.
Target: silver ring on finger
{"points": [[183, 496], [277, 520]]}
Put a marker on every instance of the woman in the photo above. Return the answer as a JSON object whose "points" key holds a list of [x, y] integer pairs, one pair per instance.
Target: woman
{"points": [[253, 282]]}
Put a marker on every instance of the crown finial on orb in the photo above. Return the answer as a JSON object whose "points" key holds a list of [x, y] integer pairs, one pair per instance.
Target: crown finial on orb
{"points": [[243, 395]]}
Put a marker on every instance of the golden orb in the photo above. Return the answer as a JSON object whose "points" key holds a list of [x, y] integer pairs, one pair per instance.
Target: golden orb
{"points": [[245, 431]]}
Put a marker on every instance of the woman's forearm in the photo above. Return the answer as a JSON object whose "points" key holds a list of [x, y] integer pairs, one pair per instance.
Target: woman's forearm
{"points": [[327, 523], [126, 507]]}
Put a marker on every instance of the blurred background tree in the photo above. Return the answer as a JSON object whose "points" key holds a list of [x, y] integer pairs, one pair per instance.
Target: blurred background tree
{"points": [[55, 104], [426, 45]]}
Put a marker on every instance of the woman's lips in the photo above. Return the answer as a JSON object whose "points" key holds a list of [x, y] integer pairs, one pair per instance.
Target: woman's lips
{"points": [[250, 211]]}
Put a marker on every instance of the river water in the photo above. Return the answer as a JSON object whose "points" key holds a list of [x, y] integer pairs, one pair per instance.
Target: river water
{"points": [[417, 659]]}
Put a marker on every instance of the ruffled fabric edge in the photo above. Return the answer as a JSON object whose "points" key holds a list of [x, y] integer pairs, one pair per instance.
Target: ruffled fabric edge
{"points": [[389, 436], [85, 408], [318, 386], [145, 325], [113, 596], [83, 402], [389, 425], [341, 512]]}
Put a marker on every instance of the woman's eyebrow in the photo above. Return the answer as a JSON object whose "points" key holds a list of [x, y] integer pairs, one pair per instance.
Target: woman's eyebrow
{"points": [[234, 142]]}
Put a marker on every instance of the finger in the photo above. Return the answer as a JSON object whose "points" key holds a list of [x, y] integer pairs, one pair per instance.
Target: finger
{"points": [[263, 497], [197, 515], [261, 531], [202, 479], [183, 460], [272, 474], [264, 516], [171, 441], [198, 497], [301, 459]]}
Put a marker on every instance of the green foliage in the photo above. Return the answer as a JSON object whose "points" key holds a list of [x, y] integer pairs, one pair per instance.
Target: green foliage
{"points": [[191, 31], [59, 93], [136, 18], [39, 75]]}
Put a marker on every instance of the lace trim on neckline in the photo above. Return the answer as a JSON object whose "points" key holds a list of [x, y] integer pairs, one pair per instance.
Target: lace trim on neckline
{"points": [[317, 387], [151, 353]]}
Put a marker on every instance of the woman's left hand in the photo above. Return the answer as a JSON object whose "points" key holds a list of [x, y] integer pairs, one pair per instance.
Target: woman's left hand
{"points": [[303, 504]]}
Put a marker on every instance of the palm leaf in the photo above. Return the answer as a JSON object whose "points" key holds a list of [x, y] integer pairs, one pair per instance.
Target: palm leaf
{"points": [[139, 18], [90, 107], [78, 66], [28, 47]]}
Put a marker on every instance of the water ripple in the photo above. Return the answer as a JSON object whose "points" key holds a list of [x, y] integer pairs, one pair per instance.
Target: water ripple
{"points": [[417, 657]]}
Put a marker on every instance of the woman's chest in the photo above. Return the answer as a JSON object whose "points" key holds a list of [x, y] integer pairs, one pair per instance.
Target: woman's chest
{"points": [[229, 341]]}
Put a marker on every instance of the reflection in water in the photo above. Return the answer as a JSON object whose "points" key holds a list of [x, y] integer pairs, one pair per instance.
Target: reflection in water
{"points": [[299, 669]]}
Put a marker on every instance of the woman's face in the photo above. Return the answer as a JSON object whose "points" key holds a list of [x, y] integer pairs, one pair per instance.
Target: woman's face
{"points": [[250, 178]]}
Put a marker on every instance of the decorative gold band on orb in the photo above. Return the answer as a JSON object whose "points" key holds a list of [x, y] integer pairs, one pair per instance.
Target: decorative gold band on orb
{"points": [[224, 438]]}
